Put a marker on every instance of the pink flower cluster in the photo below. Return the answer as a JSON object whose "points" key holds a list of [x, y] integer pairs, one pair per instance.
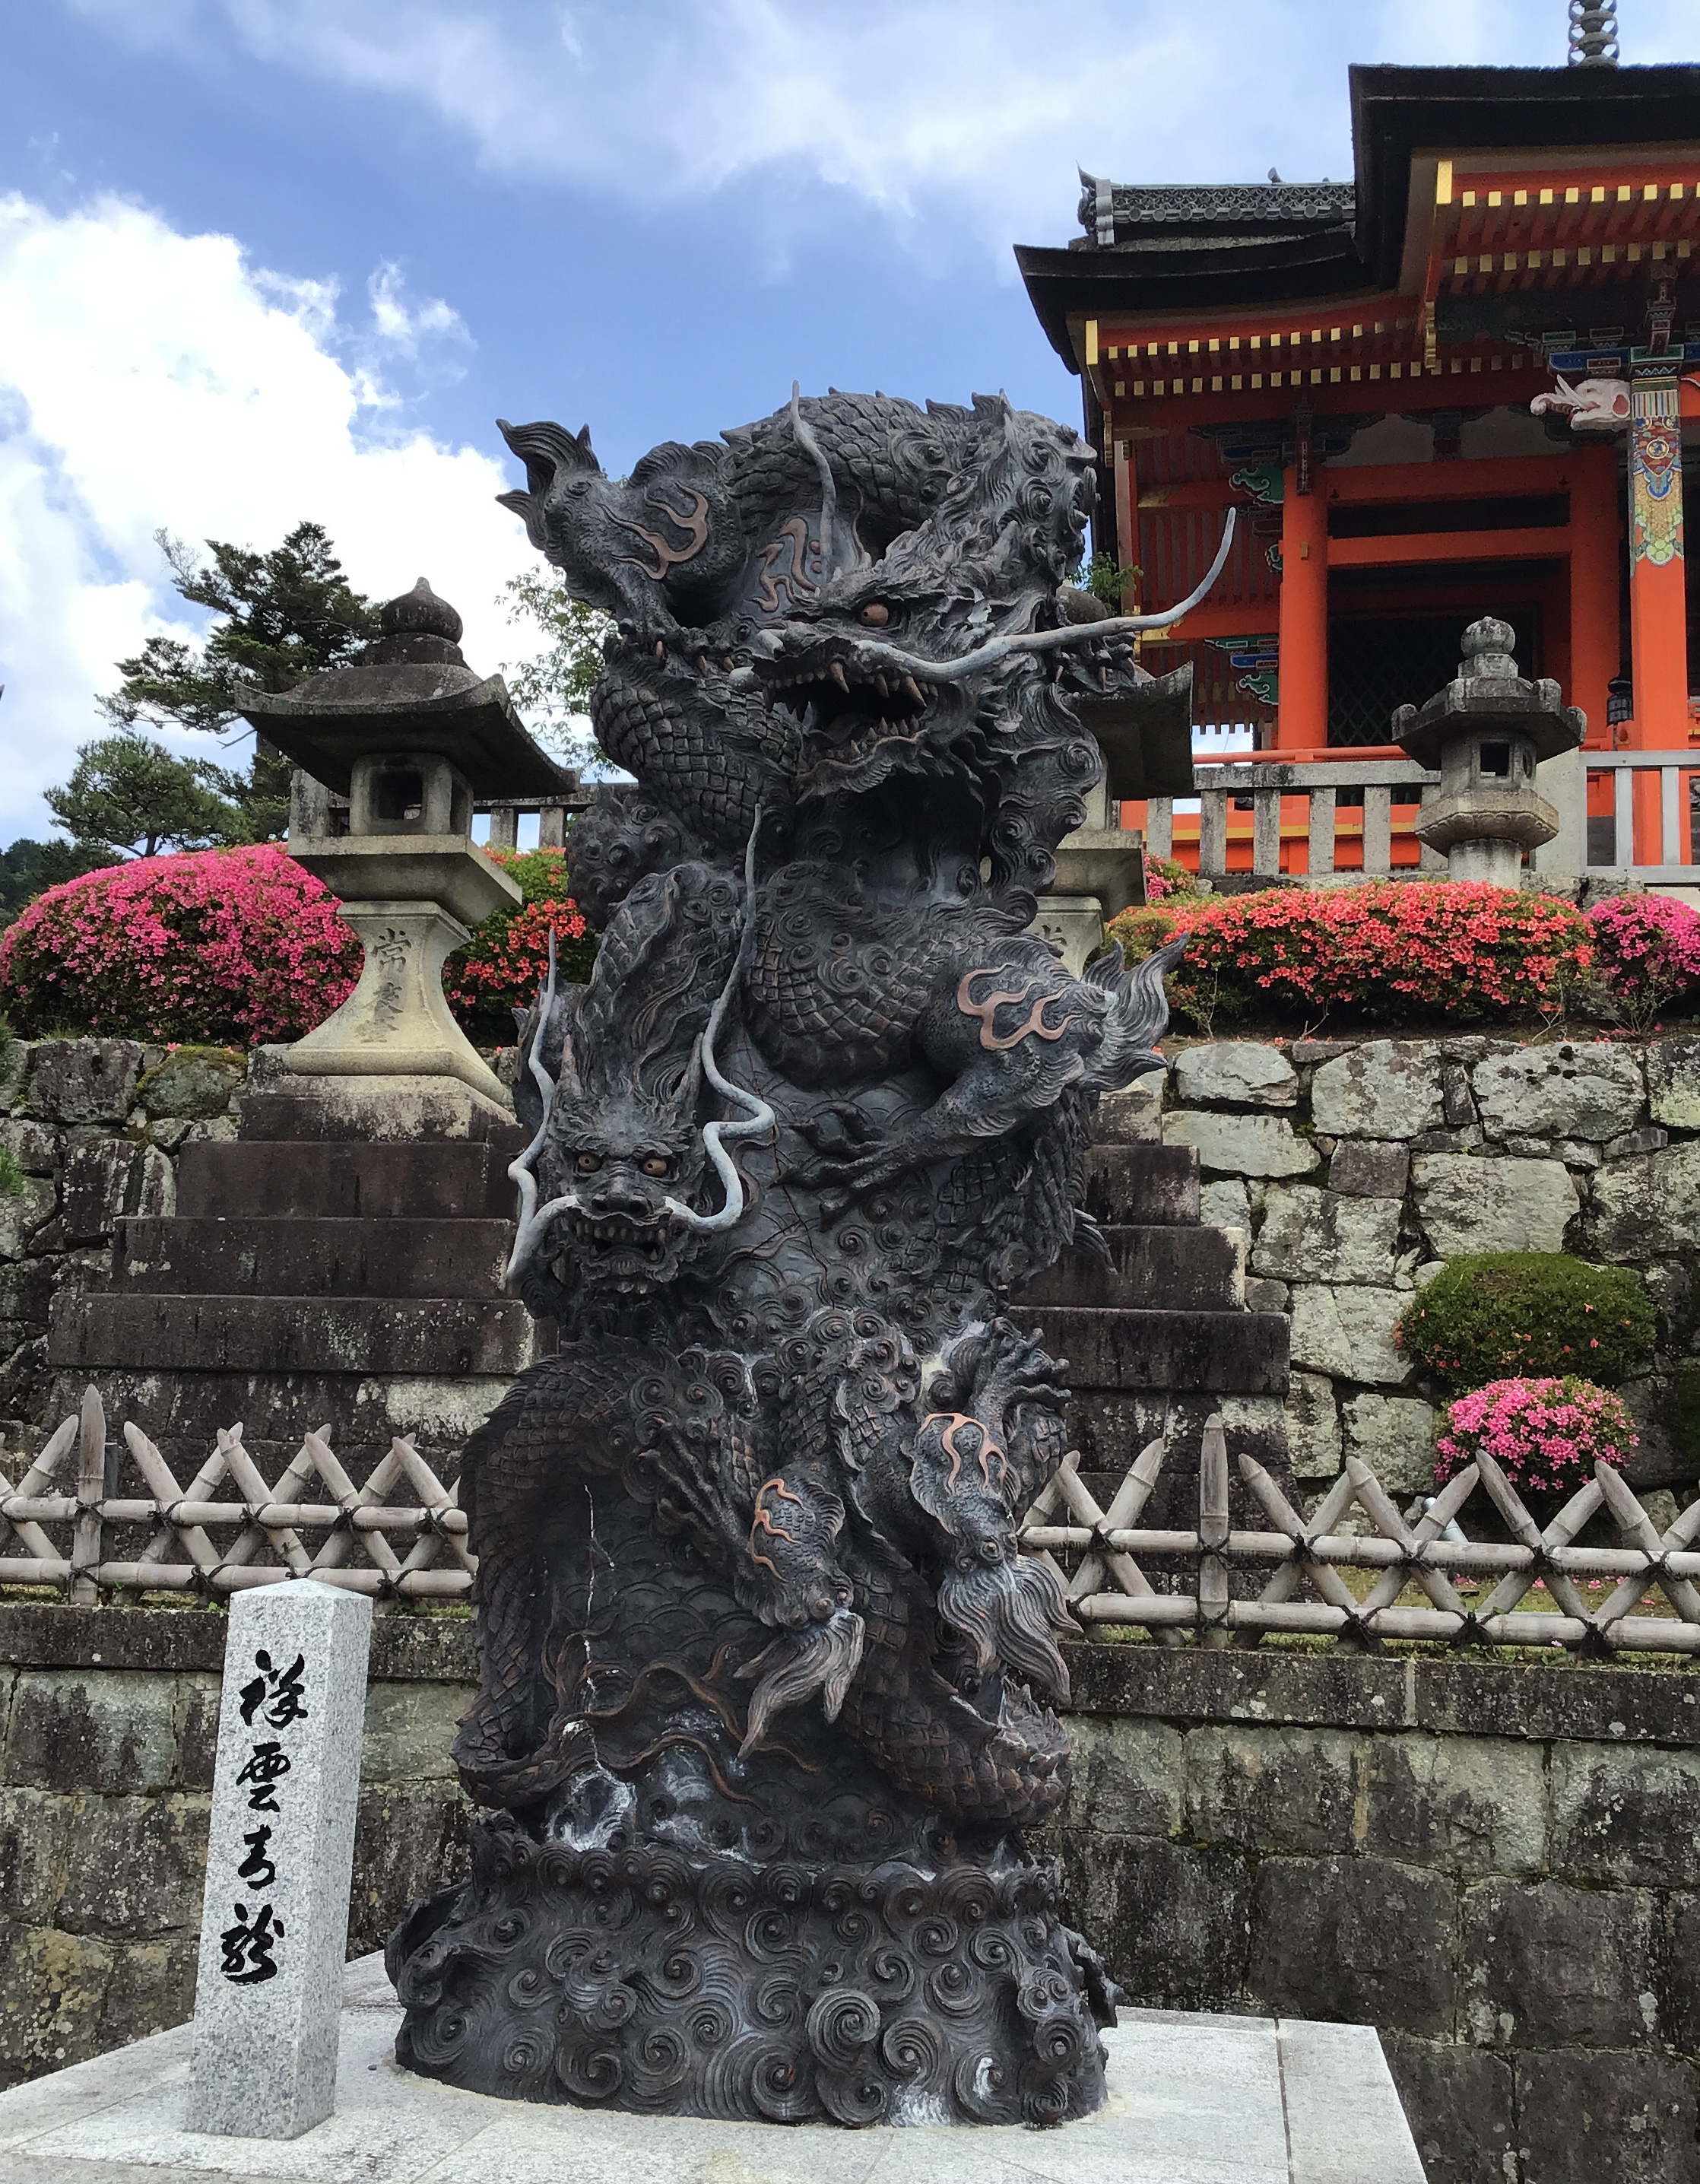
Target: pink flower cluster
{"points": [[1646, 946], [1462, 947], [228, 946], [1542, 1434]]}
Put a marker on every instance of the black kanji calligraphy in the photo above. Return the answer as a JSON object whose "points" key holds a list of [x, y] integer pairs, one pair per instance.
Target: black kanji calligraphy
{"points": [[266, 1762], [275, 1694], [257, 1869], [248, 1945]]}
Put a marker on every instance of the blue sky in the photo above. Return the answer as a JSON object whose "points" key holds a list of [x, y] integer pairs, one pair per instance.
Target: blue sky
{"points": [[266, 259]]}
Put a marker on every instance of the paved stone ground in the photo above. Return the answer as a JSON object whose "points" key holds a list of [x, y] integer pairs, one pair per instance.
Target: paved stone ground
{"points": [[1208, 2100]]}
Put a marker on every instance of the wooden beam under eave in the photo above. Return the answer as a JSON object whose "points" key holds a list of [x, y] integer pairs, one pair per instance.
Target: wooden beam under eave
{"points": [[1407, 550]]}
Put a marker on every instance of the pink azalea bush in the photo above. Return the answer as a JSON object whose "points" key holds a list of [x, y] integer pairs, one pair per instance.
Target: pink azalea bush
{"points": [[1385, 950], [1542, 1434], [221, 946], [1647, 948]]}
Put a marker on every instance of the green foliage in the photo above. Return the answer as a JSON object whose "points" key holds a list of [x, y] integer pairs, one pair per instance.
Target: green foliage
{"points": [[505, 961], [553, 690], [284, 615], [1106, 582], [29, 868], [129, 794], [11, 1175], [1495, 1313]]}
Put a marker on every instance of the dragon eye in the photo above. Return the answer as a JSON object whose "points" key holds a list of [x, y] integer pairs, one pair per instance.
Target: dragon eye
{"points": [[656, 1164], [876, 612], [588, 1164]]}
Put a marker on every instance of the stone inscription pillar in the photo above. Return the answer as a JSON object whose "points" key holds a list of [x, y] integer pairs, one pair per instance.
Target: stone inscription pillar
{"points": [[274, 1918]]}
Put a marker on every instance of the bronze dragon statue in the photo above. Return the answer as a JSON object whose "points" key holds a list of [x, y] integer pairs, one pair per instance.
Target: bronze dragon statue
{"points": [[768, 1691]]}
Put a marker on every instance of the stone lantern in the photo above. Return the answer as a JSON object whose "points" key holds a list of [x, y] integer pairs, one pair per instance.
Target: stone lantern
{"points": [[1144, 731], [411, 737], [1487, 732]]}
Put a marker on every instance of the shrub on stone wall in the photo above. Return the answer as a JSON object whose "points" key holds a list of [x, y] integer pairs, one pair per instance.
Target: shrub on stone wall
{"points": [[1385, 951], [1493, 1312], [1646, 953], [508, 958], [239, 946], [226, 946], [1546, 1435]]}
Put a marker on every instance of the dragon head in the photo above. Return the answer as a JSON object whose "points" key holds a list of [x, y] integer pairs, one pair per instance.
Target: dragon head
{"points": [[652, 549], [614, 1077]]}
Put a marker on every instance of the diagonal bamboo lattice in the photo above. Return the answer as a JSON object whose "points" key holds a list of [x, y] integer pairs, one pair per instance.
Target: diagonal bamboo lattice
{"points": [[1109, 1582], [268, 1520], [267, 1525]]}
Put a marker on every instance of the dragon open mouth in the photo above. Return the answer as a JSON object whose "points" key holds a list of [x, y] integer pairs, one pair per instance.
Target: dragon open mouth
{"points": [[849, 715], [622, 1253]]}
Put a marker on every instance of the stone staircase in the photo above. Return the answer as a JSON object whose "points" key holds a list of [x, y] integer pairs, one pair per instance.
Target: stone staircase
{"points": [[1162, 1339], [340, 1262]]}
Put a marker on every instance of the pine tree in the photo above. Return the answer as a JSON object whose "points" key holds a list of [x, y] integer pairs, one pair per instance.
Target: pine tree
{"points": [[129, 794], [285, 614]]}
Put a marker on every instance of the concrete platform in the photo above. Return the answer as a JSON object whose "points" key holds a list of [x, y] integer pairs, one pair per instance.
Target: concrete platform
{"points": [[1194, 2100]]}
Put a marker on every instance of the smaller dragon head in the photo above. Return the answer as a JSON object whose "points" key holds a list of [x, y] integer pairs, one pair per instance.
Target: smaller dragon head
{"points": [[658, 547], [612, 1183]]}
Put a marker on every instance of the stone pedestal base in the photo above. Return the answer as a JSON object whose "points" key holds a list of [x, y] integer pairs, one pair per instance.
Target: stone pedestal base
{"points": [[1192, 2100], [395, 1022], [1073, 923]]}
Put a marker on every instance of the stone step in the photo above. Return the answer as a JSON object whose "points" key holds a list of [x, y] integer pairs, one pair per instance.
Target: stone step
{"points": [[1225, 1352], [182, 1412], [281, 1178], [380, 1258], [1110, 1427], [394, 1111], [438, 1336], [1181, 1269], [1143, 1184]]}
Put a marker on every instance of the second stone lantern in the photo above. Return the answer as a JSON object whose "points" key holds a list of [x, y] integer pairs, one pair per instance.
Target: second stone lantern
{"points": [[1486, 732], [411, 737]]}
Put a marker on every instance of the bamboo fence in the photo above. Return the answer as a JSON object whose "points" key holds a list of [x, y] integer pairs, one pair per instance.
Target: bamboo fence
{"points": [[403, 1536], [1114, 1560]]}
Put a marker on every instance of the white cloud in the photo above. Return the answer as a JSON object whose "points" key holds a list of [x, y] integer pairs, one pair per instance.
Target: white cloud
{"points": [[972, 112], [150, 379]]}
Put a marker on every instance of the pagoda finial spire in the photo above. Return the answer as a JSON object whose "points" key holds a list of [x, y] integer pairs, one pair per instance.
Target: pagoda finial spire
{"points": [[1593, 34]]}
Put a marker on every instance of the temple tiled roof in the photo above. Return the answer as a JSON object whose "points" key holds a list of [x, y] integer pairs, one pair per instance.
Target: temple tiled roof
{"points": [[1118, 213]]}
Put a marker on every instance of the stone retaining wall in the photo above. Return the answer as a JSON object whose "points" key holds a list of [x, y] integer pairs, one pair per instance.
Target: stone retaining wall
{"points": [[1357, 1169], [1499, 1867], [108, 1719], [96, 1124]]}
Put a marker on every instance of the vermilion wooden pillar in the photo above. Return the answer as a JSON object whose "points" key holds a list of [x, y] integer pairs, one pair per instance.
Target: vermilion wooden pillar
{"points": [[1658, 631], [1303, 715], [1595, 643]]}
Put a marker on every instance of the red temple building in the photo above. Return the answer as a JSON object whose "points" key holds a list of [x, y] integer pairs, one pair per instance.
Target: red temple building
{"points": [[1460, 384]]}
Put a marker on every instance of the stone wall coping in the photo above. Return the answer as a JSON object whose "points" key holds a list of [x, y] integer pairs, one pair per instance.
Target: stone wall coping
{"points": [[1599, 1704], [166, 1640]]}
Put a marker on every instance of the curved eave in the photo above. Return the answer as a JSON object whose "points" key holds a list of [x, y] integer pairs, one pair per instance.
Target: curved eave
{"points": [[1398, 111], [1172, 281], [476, 730]]}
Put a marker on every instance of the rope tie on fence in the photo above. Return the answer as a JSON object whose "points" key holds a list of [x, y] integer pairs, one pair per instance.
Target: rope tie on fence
{"points": [[1471, 1631]]}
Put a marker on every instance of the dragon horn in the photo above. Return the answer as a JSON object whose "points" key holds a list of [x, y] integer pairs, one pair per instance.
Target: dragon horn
{"points": [[534, 1218], [759, 1117], [889, 656]]}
